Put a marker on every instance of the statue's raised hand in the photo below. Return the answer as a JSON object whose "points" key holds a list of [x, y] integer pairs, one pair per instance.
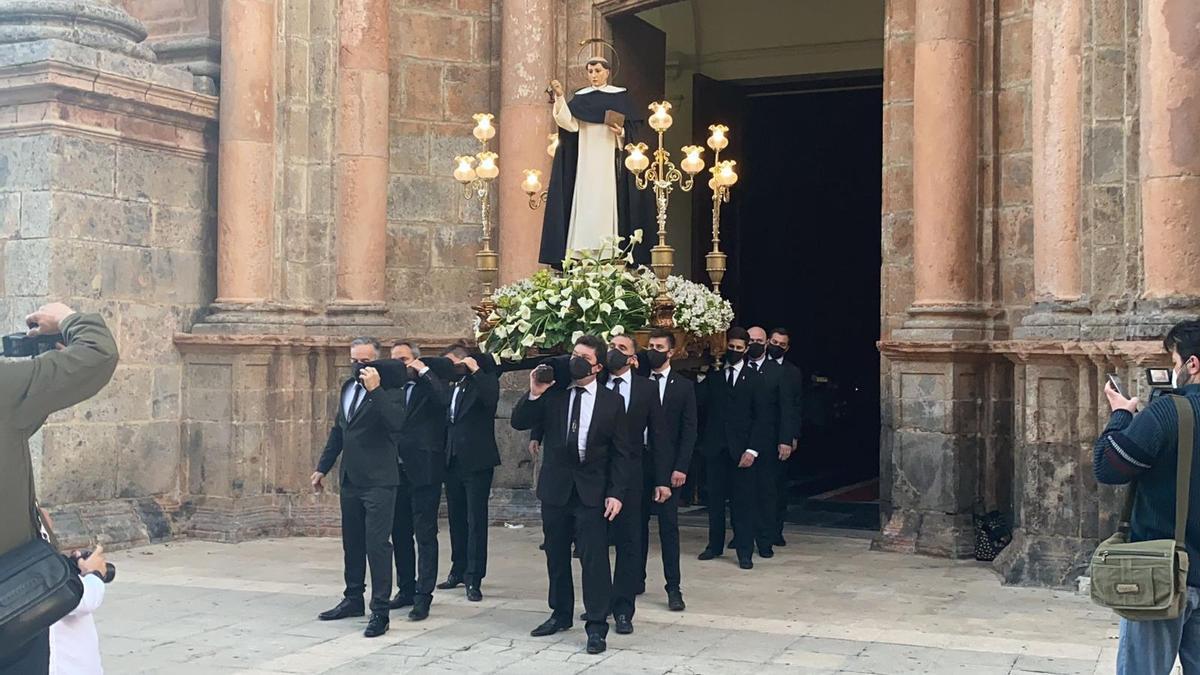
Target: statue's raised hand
{"points": [[557, 87]]}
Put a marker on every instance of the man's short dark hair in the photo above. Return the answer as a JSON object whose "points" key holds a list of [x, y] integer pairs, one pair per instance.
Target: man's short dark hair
{"points": [[459, 348], [663, 333], [782, 332], [360, 341], [596, 344], [416, 351], [1184, 339], [737, 333]]}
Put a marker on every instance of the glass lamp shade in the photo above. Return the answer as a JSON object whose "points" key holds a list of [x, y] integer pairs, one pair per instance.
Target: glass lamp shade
{"points": [[661, 119], [464, 172], [533, 183], [553, 147], [693, 162], [726, 175], [637, 161], [712, 184], [487, 168], [484, 129], [718, 140]]}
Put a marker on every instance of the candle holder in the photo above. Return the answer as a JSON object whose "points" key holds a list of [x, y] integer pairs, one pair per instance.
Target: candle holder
{"points": [[532, 185], [476, 174], [724, 176], [663, 177]]}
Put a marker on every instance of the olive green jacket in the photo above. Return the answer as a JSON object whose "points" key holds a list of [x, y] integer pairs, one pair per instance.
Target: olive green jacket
{"points": [[31, 389]]}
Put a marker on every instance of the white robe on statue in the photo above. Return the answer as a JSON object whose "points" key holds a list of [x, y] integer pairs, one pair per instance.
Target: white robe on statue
{"points": [[594, 203]]}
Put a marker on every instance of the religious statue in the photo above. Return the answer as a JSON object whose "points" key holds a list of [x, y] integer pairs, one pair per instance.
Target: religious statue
{"points": [[592, 196]]}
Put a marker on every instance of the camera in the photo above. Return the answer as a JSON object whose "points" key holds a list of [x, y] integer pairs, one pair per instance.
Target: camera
{"points": [[110, 571], [1159, 380], [20, 345]]}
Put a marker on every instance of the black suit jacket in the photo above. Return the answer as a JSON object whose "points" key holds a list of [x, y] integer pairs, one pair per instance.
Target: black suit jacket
{"points": [[605, 469], [421, 437], [795, 376], [732, 419], [365, 441], [471, 437], [678, 410], [643, 420], [778, 408]]}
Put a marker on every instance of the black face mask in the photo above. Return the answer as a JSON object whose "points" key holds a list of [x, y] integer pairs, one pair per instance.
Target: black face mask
{"points": [[755, 351], [616, 360], [733, 357], [655, 359], [775, 352], [356, 369], [579, 367]]}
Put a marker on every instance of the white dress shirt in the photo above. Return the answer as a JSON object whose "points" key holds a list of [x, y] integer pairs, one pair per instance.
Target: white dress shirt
{"points": [[662, 382], [349, 395], [588, 404], [454, 400], [758, 365], [74, 643]]}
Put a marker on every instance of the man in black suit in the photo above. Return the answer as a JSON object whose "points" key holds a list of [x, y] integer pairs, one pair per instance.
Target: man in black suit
{"points": [[778, 346], [421, 442], [645, 429], [472, 457], [367, 416], [732, 440], [585, 474], [665, 466], [776, 414]]}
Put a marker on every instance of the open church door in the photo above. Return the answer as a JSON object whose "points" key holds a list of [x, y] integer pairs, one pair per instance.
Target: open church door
{"points": [[642, 49], [717, 102]]}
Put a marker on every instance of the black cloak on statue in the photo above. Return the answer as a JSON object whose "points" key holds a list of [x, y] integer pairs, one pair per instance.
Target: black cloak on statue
{"points": [[635, 208]]}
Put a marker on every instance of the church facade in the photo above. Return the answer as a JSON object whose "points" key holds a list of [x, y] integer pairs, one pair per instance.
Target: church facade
{"points": [[239, 186]]}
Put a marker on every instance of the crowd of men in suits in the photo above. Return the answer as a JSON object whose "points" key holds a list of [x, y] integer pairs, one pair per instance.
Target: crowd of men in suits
{"points": [[614, 428]]}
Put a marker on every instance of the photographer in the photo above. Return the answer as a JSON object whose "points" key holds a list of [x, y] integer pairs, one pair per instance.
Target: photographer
{"points": [[30, 390], [1144, 447], [74, 642]]}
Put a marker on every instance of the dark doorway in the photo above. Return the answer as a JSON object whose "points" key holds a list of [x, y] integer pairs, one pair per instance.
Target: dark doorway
{"points": [[804, 244]]}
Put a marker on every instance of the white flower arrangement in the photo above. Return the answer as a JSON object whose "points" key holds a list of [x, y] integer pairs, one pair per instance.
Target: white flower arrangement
{"points": [[698, 310]]}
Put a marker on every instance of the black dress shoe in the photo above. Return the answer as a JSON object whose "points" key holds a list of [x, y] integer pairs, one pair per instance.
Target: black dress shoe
{"points": [[675, 601], [624, 624], [452, 581], [378, 625], [766, 552], [779, 541], [641, 589], [550, 627], [344, 610], [474, 594], [708, 554], [420, 610], [596, 644], [746, 563], [400, 601]]}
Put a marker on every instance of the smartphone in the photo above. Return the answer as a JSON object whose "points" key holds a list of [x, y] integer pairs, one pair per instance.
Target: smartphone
{"points": [[1115, 380]]}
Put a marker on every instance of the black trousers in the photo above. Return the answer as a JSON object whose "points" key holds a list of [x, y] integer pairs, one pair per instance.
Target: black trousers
{"points": [[416, 518], [624, 533], [728, 483], [467, 494], [587, 526], [366, 524], [782, 495], [32, 659], [668, 531], [767, 469]]}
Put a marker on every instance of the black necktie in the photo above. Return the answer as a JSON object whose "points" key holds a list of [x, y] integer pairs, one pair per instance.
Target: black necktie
{"points": [[617, 388], [573, 425], [358, 392], [408, 390], [754, 366], [657, 377], [731, 377]]}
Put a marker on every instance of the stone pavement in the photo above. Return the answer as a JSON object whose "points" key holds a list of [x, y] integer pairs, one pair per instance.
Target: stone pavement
{"points": [[822, 605]]}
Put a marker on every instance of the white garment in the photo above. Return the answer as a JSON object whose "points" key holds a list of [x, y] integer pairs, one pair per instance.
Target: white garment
{"points": [[349, 395], [587, 403], [594, 203], [74, 643]]}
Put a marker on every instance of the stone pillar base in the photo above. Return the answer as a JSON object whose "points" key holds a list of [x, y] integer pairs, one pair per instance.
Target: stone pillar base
{"points": [[252, 318], [945, 535], [951, 323], [364, 314], [1053, 321], [1039, 560]]}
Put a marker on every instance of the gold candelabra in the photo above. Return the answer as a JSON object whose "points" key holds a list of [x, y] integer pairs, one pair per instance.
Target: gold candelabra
{"points": [[476, 173], [532, 185], [662, 176], [724, 176]]}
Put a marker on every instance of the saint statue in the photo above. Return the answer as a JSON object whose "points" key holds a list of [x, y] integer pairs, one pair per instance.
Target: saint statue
{"points": [[591, 195]]}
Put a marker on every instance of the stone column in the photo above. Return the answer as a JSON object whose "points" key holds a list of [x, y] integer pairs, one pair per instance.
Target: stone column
{"points": [[945, 162], [1169, 80], [246, 167], [1057, 149], [91, 23], [361, 155], [526, 67]]}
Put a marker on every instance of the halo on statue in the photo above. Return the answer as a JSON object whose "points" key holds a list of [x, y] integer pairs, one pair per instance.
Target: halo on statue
{"points": [[614, 66]]}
